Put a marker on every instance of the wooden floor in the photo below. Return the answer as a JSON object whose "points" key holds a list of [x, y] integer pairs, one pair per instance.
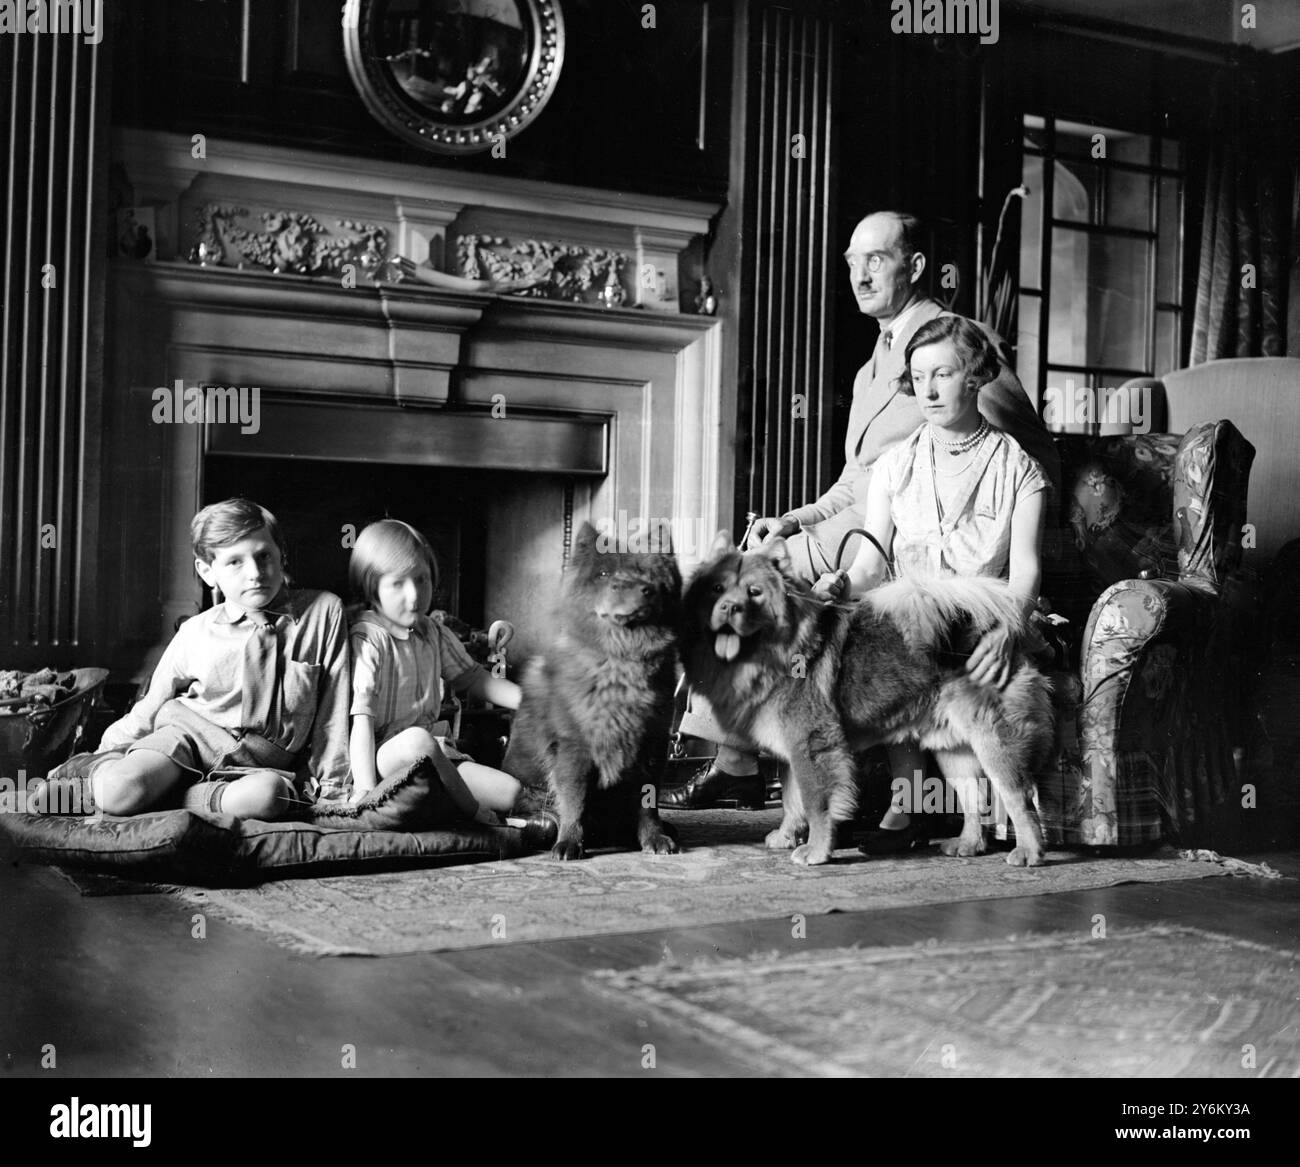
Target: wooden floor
{"points": [[119, 986]]}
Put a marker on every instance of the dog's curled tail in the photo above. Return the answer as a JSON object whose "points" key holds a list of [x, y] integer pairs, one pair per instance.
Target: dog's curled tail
{"points": [[925, 608]]}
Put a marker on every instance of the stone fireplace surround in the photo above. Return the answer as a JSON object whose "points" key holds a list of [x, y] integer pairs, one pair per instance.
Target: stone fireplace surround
{"points": [[606, 410]]}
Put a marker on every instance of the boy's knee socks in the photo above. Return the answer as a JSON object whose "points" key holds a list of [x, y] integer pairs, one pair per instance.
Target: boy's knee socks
{"points": [[205, 796]]}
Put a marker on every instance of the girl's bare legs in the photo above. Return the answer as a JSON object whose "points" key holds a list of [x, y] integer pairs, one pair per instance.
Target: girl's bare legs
{"points": [[399, 754], [493, 788], [473, 787]]}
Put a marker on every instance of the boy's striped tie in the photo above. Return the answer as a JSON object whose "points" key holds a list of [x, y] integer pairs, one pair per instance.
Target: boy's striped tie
{"points": [[261, 680]]}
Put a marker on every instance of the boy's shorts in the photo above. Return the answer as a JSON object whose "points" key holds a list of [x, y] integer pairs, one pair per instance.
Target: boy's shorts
{"points": [[208, 751]]}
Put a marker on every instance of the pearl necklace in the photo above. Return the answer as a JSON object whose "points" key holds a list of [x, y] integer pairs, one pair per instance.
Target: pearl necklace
{"points": [[961, 445]]}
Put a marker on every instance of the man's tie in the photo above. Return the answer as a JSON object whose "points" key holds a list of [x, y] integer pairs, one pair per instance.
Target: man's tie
{"points": [[887, 339], [261, 678]]}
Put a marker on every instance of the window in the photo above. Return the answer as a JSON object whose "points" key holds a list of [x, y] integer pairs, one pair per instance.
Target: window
{"points": [[1101, 275]]}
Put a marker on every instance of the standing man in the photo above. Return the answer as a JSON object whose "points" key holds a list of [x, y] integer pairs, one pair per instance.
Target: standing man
{"points": [[885, 267]]}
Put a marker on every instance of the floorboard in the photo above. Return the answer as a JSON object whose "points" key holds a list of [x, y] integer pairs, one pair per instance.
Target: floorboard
{"points": [[119, 985]]}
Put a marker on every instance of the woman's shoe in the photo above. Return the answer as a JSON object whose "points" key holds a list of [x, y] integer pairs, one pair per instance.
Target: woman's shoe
{"points": [[883, 842], [775, 774]]}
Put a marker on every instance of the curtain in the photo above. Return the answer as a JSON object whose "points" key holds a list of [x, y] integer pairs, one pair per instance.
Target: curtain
{"points": [[1241, 311]]}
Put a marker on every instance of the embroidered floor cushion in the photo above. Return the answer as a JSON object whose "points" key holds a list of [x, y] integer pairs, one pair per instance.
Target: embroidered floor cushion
{"points": [[408, 821]]}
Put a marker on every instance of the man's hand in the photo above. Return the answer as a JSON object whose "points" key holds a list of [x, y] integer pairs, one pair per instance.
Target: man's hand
{"points": [[834, 585], [358, 794], [990, 663], [770, 528]]}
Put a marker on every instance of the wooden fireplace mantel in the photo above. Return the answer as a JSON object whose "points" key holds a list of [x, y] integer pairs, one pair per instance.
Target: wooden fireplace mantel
{"points": [[423, 209], [620, 408], [160, 164], [563, 411]]}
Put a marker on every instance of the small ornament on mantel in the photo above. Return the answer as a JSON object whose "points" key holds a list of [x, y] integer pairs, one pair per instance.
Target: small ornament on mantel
{"points": [[207, 253], [706, 303], [373, 264], [612, 295]]}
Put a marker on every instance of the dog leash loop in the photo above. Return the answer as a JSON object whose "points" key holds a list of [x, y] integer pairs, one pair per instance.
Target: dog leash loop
{"points": [[844, 542]]}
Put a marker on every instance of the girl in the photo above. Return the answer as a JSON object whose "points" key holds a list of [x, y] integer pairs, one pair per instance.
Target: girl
{"points": [[400, 659], [956, 497]]}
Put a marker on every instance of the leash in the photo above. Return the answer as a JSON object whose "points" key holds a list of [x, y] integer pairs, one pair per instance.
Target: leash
{"points": [[839, 555]]}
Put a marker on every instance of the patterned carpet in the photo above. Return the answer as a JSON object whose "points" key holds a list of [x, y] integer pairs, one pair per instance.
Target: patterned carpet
{"points": [[724, 874], [1154, 1002]]}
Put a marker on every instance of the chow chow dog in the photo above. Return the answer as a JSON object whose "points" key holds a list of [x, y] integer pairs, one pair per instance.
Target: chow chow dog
{"points": [[813, 682], [597, 707]]}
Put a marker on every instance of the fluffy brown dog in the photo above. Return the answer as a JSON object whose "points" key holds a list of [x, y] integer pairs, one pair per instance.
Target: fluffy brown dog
{"points": [[597, 709], [813, 682]]}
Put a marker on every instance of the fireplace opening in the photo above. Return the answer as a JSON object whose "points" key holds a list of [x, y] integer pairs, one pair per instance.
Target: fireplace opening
{"points": [[322, 506]]}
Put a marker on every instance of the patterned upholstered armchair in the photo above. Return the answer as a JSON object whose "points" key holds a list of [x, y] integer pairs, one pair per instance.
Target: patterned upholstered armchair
{"points": [[1153, 535]]}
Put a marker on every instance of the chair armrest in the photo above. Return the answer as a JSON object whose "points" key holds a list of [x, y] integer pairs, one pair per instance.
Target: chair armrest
{"points": [[1141, 633], [1154, 702], [1134, 615]]}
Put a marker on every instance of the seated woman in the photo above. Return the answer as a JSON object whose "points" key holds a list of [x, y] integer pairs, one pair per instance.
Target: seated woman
{"points": [[956, 497]]}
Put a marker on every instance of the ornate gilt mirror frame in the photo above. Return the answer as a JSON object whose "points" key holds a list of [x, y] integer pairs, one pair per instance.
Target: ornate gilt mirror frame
{"points": [[454, 76]]}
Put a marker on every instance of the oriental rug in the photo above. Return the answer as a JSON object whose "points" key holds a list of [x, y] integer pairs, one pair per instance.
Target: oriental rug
{"points": [[723, 875], [1152, 1002]]}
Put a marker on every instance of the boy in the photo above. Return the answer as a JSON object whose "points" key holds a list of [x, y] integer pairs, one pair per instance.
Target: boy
{"points": [[248, 707]]}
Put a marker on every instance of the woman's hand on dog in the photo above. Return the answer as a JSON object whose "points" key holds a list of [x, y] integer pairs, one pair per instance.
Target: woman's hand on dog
{"points": [[990, 663], [834, 585]]}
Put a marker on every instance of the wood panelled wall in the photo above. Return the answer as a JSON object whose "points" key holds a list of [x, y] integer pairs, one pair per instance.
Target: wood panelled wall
{"points": [[642, 103], [889, 122], [51, 341], [785, 322]]}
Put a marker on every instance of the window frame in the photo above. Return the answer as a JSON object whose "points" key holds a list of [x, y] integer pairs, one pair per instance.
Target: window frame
{"points": [[1156, 170]]}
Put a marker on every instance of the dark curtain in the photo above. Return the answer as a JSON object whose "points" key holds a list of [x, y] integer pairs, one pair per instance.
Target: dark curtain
{"points": [[1246, 221]]}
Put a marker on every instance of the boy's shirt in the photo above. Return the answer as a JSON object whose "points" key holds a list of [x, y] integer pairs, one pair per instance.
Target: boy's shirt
{"points": [[203, 668]]}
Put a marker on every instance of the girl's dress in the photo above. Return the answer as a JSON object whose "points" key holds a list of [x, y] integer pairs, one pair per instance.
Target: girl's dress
{"points": [[398, 675]]}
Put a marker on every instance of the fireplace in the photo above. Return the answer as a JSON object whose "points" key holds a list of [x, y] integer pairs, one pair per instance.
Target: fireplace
{"points": [[495, 423], [322, 505]]}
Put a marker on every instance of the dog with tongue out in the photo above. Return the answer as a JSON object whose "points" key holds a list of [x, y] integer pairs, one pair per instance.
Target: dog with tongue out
{"points": [[812, 683]]}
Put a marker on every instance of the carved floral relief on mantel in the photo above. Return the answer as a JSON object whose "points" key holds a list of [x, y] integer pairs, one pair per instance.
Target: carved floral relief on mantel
{"points": [[545, 269], [292, 242], [297, 243]]}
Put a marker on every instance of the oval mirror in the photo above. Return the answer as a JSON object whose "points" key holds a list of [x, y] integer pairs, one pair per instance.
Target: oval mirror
{"points": [[454, 76]]}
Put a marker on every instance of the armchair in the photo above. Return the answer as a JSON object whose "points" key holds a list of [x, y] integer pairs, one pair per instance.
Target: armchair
{"points": [[1148, 721]]}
